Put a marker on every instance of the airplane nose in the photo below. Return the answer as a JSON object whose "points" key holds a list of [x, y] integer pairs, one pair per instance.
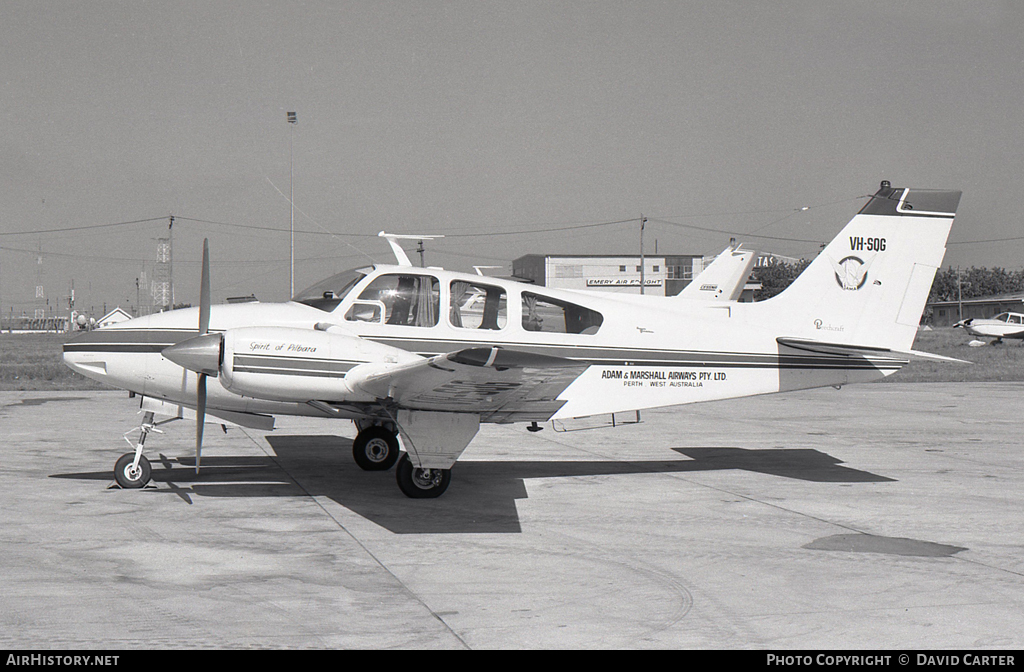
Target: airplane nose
{"points": [[201, 354]]}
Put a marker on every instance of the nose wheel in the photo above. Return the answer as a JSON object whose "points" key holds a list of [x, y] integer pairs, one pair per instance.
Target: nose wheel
{"points": [[132, 470], [130, 475]]}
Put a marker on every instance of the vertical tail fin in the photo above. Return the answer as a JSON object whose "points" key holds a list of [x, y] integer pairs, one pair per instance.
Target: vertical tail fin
{"points": [[869, 286], [723, 279]]}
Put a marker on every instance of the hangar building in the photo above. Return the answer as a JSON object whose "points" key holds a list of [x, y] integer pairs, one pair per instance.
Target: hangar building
{"points": [[948, 313], [663, 274]]}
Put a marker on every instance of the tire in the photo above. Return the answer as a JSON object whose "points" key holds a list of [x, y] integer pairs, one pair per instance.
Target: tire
{"points": [[421, 483], [131, 480], [375, 449]]}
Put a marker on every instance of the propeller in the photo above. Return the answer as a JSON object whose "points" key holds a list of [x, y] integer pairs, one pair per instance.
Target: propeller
{"points": [[202, 353], [204, 327]]}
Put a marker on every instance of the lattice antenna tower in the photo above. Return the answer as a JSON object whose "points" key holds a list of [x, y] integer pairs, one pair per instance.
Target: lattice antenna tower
{"points": [[40, 310]]}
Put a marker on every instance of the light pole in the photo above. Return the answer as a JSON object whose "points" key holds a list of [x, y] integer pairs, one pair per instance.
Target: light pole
{"points": [[643, 221], [293, 119]]}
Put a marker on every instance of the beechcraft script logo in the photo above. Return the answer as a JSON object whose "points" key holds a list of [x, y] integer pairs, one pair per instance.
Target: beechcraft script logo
{"points": [[851, 272]]}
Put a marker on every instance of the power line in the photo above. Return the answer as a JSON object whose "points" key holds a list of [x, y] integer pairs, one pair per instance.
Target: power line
{"points": [[733, 233], [990, 240], [488, 234], [551, 230], [80, 228]]}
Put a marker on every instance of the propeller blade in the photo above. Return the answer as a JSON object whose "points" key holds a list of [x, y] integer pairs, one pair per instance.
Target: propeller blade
{"points": [[200, 416], [204, 291], [204, 326]]}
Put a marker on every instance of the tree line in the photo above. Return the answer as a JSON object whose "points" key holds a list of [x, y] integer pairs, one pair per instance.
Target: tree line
{"points": [[949, 285]]}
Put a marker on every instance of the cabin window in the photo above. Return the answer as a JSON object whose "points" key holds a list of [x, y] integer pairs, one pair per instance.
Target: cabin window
{"points": [[475, 306], [408, 300], [366, 311], [327, 294], [541, 313]]}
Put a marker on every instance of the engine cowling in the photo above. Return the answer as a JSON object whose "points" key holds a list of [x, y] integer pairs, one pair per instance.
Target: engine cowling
{"points": [[288, 364]]}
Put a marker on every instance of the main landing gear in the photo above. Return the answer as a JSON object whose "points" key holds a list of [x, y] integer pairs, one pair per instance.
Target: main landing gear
{"points": [[420, 483], [376, 448]]}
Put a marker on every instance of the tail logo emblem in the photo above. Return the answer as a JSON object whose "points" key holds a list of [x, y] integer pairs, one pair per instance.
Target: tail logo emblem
{"points": [[851, 272]]}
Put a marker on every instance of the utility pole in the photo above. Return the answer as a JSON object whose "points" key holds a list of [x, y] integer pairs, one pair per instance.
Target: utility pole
{"points": [[959, 297], [421, 249], [643, 221], [293, 119]]}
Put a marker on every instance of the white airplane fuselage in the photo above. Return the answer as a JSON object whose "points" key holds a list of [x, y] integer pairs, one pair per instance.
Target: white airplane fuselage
{"points": [[648, 351]]}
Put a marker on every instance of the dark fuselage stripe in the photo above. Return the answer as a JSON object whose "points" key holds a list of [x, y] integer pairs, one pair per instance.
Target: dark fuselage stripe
{"points": [[282, 371], [156, 340]]}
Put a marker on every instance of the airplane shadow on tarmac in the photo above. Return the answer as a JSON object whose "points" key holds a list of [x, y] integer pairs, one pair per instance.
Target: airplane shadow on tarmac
{"points": [[482, 496]]}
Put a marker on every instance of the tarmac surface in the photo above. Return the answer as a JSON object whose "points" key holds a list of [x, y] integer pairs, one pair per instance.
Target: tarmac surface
{"points": [[882, 516]]}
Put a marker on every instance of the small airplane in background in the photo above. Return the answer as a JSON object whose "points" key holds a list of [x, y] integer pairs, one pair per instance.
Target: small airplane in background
{"points": [[1003, 325], [417, 358]]}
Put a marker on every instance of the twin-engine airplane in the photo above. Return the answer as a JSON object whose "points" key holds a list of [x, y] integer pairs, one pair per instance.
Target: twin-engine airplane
{"points": [[1003, 325], [417, 358]]}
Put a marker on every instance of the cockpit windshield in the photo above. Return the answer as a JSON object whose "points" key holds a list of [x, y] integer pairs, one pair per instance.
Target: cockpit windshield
{"points": [[327, 294]]}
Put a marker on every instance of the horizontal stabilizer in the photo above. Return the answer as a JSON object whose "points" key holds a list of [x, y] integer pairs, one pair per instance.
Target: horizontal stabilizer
{"points": [[400, 255], [824, 348]]}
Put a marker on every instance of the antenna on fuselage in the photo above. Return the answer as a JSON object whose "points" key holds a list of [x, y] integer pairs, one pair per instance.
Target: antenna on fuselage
{"points": [[400, 255]]}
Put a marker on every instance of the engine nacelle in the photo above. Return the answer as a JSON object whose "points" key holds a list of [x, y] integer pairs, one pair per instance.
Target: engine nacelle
{"points": [[288, 364]]}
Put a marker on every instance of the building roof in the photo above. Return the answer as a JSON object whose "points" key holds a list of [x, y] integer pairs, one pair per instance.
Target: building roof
{"points": [[994, 298], [627, 255], [116, 314]]}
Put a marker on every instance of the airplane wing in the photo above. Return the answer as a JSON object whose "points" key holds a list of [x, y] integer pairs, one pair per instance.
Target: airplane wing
{"points": [[501, 385]]}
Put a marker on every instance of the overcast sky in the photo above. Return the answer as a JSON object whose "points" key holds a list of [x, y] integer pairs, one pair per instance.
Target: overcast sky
{"points": [[470, 118]]}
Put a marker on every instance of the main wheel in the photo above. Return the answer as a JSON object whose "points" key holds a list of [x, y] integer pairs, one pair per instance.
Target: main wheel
{"points": [[130, 478], [421, 483], [375, 449]]}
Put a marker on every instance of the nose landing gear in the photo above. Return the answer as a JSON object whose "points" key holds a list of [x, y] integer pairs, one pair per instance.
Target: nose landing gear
{"points": [[132, 470]]}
